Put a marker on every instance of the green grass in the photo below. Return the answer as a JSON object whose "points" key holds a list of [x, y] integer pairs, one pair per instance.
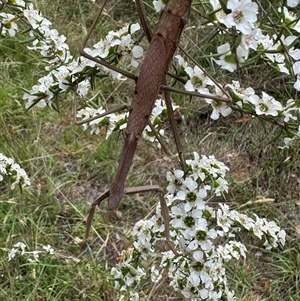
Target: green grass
{"points": [[69, 169]]}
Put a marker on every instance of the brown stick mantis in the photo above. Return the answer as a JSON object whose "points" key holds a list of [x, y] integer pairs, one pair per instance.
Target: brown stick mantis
{"points": [[163, 45]]}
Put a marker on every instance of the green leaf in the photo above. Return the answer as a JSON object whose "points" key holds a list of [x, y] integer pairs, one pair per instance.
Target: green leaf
{"points": [[25, 30], [93, 82], [234, 96], [29, 40], [36, 101], [223, 4]]}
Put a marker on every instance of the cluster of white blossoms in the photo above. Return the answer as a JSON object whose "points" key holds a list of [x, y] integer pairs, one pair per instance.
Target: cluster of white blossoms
{"points": [[19, 249], [117, 122], [243, 17], [65, 71], [12, 172], [159, 111], [242, 98], [201, 83], [265, 105], [280, 51], [202, 235], [75, 72], [8, 21]]}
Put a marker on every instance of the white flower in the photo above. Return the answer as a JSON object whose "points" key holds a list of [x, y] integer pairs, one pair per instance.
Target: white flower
{"points": [[290, 107], [137, 52], [249, 41], [134, 296], [219, 107], [155, 274], [52, 44], [8, 24], [198, 255], [223, 217], [287, 141], [134, 27], [221, 186], [199, 273], [181, 61], [233, 249], [220, 14], [122, 37], [224, 252], [100, 49], [203, 294], [18, 247], [49, 249], [175, 180], [180, 212], [83, 87], [12, 254], [58, 40], [158, 5], [240, 92], [198, 81], [61, 73], [288, 41], [20, 3], [194, 278], [87, 113], [292, 3], [266, 105], [227, 59], [156, 120], [33, 99], [274, 50], [45, 83], [296, 69], [290, 19], [281, 236], [244, 220], [242, 16], [33, 16]]}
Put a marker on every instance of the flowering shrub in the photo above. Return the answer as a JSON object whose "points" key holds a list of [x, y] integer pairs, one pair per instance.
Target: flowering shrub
{"points": [[197, 269], [66, 73]]}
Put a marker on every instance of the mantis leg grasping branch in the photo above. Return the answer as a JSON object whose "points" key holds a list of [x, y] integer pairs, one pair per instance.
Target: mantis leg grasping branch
{"points": [[134, 190]]}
